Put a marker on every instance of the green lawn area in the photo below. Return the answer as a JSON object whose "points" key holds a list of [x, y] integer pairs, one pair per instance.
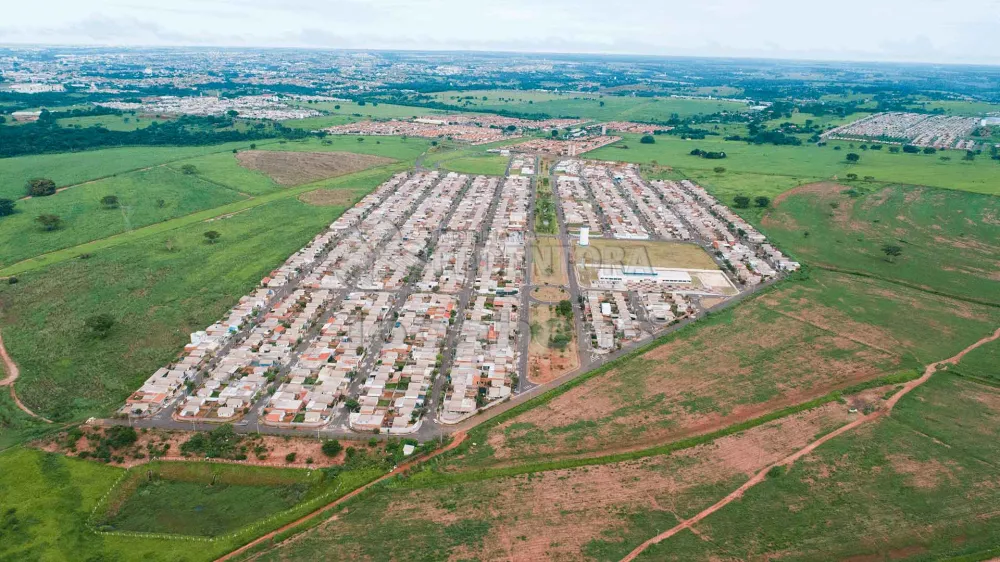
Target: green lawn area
{"points": [[223, 169], [950, 240], [808, 162], [350, 112], [71, 168], [956, 107], [146, 197], [490, 165], [919, 485], [158, 296], [404, 150], [585, 106]]}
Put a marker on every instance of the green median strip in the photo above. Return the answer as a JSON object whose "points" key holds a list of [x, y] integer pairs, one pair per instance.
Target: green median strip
{"points": [[58, 256]]}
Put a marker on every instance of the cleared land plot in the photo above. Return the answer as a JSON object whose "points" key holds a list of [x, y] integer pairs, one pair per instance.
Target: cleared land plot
{"points": [[71, 168], [809, 161], [296, 168], [202, 499], [145, 197], [487, 165], [592, 513], [550, 356], [919, 485], [331, 197], [397, 148], [548, 262], [550, 294], [787, 346], [950, 241], [643, 254], [159, 289]]}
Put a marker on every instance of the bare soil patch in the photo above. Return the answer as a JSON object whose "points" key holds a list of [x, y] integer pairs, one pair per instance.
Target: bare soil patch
{"points": [[545, 362], [296, 168], [550, 294]]}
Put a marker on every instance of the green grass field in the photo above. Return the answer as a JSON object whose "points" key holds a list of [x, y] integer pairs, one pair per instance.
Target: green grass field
{"points": [[948, 238], [586, 106], [488, 165], [809, 163], [146, 197], [350, 112], [223, 169], [110, 122]]}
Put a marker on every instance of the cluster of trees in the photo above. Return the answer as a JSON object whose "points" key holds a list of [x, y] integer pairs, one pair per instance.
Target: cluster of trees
{"points": [[45, 135], [743, 201], [222, 442], [708, 154]]}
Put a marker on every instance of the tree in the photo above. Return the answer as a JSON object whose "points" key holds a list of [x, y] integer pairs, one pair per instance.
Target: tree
{"points": [[852, 176], [189, 169], [332, 448], [853, 157], [565, 308], [110, 202], [891, 251], [762, 201], [253, 146], [49, 222], [212, 236], [602, 104], [290, 458], [337, 107], [41, 187], [741, 202], [647, 139], [100, 324], [6, 207], [719, 170], [555, 133], [232, 113], [930, 150]]}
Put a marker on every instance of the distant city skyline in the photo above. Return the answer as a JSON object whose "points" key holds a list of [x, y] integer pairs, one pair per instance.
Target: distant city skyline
{"points": [[892, 30]]}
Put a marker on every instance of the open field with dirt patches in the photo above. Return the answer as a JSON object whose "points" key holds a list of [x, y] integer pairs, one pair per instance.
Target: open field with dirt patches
{"points": [[918, 485], [548, 262], [591, 513], [547, 360], [296, 168], [950, 241], [678, 255], [786, 346]]}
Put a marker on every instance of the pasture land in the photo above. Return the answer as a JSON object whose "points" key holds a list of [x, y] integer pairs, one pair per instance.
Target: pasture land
{"points": [[643, 253], [806, 162], [950, 240], [112, 122], [350, 112], [396, 148], [296, 168], [71, 168], [145, 197], [590, 513], [222, 168], [919, 485], [159, 288], [799, 341], [345, 198], [585, 105], [548, 262]]}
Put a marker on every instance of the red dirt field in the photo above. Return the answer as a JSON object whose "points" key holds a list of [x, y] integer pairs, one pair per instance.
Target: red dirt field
{"points": [[296, 168]]}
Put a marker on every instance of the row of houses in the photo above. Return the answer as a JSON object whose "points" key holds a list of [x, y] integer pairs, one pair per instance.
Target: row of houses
{"points": [[484, 367], [622, 222], [611, 320], [664, 222], [577, 207]]}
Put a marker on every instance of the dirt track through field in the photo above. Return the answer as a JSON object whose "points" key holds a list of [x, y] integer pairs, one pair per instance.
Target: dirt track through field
{"points": [[760, 476], [10, 367], [458, 439]]}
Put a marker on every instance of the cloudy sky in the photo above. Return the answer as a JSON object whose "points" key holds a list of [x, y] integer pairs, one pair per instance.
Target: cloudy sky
{"points": [[896, 30]]}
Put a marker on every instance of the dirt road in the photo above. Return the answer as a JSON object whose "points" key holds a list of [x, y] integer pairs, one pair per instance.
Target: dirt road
{"points": [[760, 476], [12, 371], [458, 438]]}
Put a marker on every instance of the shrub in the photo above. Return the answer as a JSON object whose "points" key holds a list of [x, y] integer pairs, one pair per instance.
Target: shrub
{"points": [[290, 458], [332, 448]]}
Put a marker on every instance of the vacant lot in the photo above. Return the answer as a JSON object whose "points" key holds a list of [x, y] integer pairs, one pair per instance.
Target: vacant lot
{"points": [[643, 254], [296, 168], [331, 197], [784, 347], [920, 485], [950, 241], [489, 165], [592, 513], [548, 262], [548, 356]]}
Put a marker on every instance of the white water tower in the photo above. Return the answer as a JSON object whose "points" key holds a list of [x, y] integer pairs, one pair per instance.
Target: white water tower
{"points": [[584, 236]]}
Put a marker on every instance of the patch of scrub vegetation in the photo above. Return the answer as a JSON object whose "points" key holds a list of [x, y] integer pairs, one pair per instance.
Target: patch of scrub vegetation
{"points": [[545, 208], [201, 499], [947, 241], [919, 485], [140, 198], [157, 290]]}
